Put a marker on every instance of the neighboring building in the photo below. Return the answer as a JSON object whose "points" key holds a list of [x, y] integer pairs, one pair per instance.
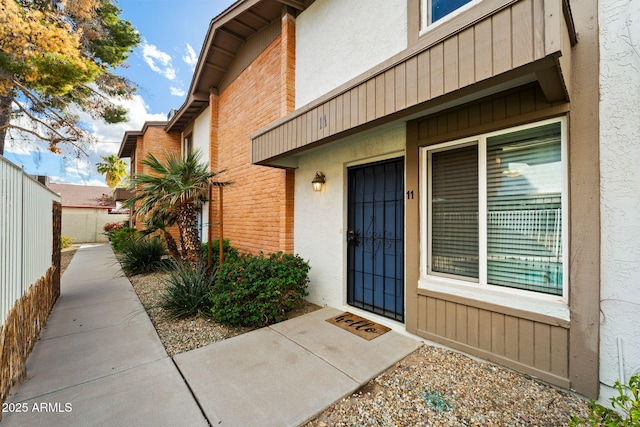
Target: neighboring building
{"points": [[85, 211], [137, 145], [470, 178], [243, 81]]}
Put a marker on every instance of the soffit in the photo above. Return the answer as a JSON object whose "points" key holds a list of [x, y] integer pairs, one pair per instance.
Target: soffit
{"points": [[130, 139], [228, 32]]}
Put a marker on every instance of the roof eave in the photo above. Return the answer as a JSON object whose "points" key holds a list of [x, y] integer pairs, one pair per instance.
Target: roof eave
{"points": [[197, 96]]}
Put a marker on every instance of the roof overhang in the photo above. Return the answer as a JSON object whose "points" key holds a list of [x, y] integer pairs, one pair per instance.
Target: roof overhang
{"points": [[227, 33], [404, 87], [130, 139]]}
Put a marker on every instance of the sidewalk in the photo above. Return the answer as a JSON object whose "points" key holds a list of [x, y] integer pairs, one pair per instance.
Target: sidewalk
{"points": [[100, 362]]}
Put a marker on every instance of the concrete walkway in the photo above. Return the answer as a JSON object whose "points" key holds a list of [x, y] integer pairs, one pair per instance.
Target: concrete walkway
{"points": [[100, 362]]}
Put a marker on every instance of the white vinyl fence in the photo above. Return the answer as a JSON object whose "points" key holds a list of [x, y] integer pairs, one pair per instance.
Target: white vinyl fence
{"points": [[26, 233]]}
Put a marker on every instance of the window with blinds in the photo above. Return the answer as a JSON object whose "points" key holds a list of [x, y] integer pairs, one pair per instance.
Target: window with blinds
{"points": [[495, 209], [454, 211]]}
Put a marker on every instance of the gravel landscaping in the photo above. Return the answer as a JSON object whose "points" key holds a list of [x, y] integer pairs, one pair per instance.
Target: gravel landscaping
{"points": [[437, 387], [430, 387], [177, 335]]}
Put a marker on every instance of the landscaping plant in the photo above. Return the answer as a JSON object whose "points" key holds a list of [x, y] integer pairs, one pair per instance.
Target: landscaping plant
{"points": [[259, 290], [123, 237], [111, 228], [178, 186], [160, 221], [143, 255], [66, 242], [625, 412], [230, 253], [187, 290]]}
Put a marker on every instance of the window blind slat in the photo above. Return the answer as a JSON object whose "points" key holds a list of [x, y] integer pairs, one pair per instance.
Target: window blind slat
{"points": [[524, 179], [454, 209]]}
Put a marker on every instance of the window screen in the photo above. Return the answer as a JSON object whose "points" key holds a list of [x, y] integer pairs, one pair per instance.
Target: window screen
{"points": [[454, 209], [524, 215]]}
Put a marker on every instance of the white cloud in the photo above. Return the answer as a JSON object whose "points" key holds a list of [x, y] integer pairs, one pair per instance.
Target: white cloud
{"points": [[190, 57], [175, 91], [113, 133], [158, 61], [72, 167]]}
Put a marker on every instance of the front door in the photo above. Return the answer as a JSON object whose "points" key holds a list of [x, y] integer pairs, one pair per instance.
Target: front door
{"points": [[375, 238]]}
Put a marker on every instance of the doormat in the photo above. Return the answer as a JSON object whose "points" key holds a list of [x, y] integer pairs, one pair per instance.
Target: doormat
{"points": [[357, 325]]}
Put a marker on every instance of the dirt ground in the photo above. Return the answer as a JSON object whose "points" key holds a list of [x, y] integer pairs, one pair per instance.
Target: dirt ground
{"points": [[66, 256]]}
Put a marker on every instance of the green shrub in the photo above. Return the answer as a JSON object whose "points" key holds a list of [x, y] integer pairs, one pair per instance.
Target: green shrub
{"points": [[187, 291], [123, 237], [230, 253], [66, 242], [627, 403], [259, 290], [112, 227], [143, 256]]}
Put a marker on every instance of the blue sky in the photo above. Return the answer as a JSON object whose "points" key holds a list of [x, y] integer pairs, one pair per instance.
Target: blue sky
{"points": [[172, 33]]}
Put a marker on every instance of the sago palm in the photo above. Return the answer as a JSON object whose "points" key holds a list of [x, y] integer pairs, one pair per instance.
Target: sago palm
{"points": [[178, 186]]}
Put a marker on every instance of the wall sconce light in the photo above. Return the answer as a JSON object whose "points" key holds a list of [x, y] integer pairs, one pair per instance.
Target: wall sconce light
{"points": [[318, 181]]}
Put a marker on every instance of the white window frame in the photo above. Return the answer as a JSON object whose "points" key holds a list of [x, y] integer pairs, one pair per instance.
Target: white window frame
{"points": [[425, 14], [187, 145], [552, 305]]}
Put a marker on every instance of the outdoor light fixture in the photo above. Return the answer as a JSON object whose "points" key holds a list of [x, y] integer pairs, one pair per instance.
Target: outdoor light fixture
{"points": [[318, 181]]}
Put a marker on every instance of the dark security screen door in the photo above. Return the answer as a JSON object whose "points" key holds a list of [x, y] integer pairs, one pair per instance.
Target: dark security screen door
{"points": [[375, 238]]}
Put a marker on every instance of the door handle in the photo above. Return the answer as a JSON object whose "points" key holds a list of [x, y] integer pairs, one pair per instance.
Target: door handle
{"points": [[353, 238]]}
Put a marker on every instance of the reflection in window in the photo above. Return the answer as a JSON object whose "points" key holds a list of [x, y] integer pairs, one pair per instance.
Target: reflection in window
{"points": [[434, 10], [516, 235], [441, 8]]}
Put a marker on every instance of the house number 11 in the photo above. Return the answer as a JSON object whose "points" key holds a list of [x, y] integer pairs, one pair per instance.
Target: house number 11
{"points": [[410, 195]]}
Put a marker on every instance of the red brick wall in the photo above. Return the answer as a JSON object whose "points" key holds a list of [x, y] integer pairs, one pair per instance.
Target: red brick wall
{"points": [[258, 207], [159, 143]]}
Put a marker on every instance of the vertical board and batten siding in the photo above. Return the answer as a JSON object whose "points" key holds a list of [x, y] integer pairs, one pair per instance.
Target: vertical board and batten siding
{"points": [[534, 346], [521, 33], [26, 233], [528, 342]]}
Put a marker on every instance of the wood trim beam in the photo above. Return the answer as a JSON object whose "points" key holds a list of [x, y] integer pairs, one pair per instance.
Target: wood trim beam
{"points": [[298, 5], [231, 34], [215, 67], [226, 52], [243, 25], [200, 96], [258, 17]]}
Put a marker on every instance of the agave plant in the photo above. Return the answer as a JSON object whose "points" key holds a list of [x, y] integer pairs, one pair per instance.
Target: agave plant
{"points": [[176, 186]]}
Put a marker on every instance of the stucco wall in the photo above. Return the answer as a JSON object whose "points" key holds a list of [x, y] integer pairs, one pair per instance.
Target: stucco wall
{"points": [[201, 143], [619, 22], [201, 133], [319, 230], [337, 40], [85, 225]]}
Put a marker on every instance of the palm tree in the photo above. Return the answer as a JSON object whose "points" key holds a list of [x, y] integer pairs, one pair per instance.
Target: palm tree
{"points": [[178, 187], [114, 169], [161, 220]]}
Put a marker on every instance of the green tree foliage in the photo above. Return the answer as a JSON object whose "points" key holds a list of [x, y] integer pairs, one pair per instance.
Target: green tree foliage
{"points": [[55, 54], [113, 168], [160, 221], [178, 186]]}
